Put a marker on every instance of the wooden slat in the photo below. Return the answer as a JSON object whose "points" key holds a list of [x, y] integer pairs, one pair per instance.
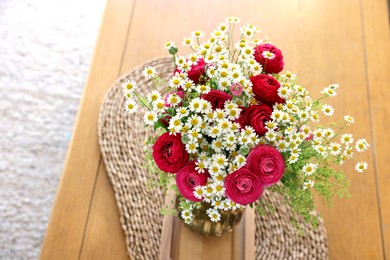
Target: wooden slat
{"points": [[70, 212], [333, 52], [104, 237], [377, 40]]}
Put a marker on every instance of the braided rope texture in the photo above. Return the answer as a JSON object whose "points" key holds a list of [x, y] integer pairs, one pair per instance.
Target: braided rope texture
{"points": [[121, 138]]}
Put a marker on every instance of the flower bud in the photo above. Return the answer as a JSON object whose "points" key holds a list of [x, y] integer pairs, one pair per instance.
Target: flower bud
{"points": [[173, 50]]}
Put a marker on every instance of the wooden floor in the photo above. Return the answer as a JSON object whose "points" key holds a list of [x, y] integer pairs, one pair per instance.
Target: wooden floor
{"points": [[323, 42]]}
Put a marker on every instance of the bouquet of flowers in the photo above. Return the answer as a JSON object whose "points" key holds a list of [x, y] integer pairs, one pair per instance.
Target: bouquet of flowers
{"points": [[228, 125]]}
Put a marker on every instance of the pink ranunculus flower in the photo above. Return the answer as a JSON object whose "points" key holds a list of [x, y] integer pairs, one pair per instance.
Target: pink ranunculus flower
{"points": [[243, 186], [169, 153], [187, 178], [266, 162], [236, 89]]}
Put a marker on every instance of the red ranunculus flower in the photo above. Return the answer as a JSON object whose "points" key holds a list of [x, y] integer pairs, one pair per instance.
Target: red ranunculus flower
{"points": [[187, 178], [266, 162], [241, 118], [243, 186], [169, 153], [217, 98], [256, 116], [197, 72], [274, 65], [265, 88]]}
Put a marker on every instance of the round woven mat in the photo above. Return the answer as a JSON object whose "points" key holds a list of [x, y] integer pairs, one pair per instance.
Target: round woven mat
{"points": [[121, 138]]}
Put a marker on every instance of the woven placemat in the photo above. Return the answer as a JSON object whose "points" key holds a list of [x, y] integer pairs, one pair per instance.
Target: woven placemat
{"points": [[121, 138]]}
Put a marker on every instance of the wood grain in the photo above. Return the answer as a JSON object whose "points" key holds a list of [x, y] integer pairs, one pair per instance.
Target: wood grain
{"points": [[69, 216], [375, 18], [323, 42]]}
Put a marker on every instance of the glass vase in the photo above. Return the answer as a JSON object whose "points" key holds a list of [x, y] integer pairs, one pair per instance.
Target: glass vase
{"points": [[202, 224]]}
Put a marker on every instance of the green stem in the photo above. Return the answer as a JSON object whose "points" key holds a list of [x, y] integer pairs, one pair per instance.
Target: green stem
{"points": [[142, 101]]}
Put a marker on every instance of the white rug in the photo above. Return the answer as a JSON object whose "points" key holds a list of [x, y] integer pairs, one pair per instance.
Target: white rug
{"points": [[45, 52]]}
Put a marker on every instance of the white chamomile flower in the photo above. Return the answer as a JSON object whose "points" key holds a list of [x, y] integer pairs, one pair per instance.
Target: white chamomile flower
{"points": [[232, 19], [200, 166], [169, 44], [150, 118], [329, 91], [293, 158], [270, 125], [361, 145], [194, 134], [349, 119], [181, 63], [129, 86], [219, 189], [191, 147], [361, 166], [220, 160], [214, 215], [197, 34], [217, 145], [159, 105], [230, 138], [304, 115], [321, 150], [215, 170], [346, 139], [290, 75], [268, 55], [226, 205], [188, 41], [348, 152], [329, 133], [203, 89], [153, 96], [284, 92], [240, 160], [176, 81], [318, 133], [224, 125], [193, 58], [182, 112], [175, 124], [186, 214], [195, 122], [314, 117], [173, 100], [188, 85], [327, 110], [131, 106], [281, 145], [196, 105], [334, 149], [198, 192], [309, 168], [270, 135], [208, 191], [214, 132], [149, 72], [308, 184], [216, 203]]}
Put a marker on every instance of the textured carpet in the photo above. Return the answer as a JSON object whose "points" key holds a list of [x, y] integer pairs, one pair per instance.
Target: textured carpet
{"points": [[45, 52]]}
